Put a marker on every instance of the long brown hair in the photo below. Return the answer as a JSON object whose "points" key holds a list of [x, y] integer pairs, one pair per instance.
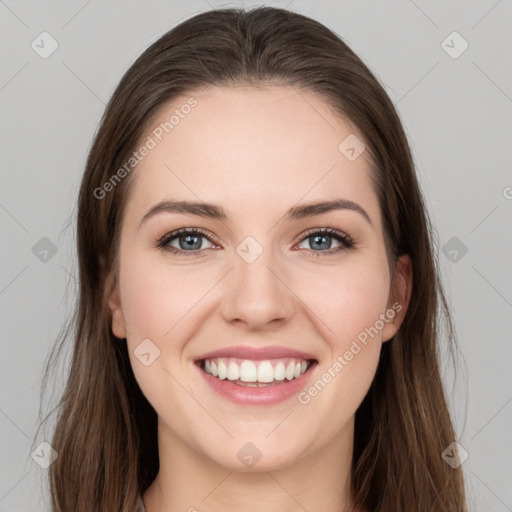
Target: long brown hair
{"points": [[106, 430]]}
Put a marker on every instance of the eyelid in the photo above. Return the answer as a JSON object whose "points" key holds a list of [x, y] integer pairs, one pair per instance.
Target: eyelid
{"points": [[326, 230], [347, 242], [162, 241]]}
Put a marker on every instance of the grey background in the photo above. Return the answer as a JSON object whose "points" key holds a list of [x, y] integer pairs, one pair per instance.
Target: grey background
{"points": [[457, 113]]}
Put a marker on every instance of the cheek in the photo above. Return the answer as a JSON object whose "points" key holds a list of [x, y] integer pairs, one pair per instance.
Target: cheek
{"points": [[349, 300], [349, 313], [158, 302], [156, 296]]}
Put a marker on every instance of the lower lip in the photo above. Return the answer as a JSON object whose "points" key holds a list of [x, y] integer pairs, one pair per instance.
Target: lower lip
{"points": [[267, 395]]}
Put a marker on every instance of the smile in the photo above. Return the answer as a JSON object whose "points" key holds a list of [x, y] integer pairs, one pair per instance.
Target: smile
{"points": [[256, 382], [246, 371]]}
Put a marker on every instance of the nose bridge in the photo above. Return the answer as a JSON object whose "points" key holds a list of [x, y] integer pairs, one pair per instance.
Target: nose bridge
{"points": [[257, 294]]}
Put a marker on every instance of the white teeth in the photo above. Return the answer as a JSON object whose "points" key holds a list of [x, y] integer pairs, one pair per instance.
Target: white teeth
{"points": [[233, 371], [223, 370], [290, 371], [265, 372], [246, 370], [279, 371]]}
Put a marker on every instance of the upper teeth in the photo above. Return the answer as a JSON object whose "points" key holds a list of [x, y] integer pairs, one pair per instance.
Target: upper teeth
{"points": [[255, 371]]}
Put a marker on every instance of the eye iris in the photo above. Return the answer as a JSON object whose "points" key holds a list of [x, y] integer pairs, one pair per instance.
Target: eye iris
{"points": [[317, 237], [189, 242]]}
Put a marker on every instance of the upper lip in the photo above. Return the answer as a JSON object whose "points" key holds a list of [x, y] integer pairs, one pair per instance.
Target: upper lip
{"points": [[256, 353]]}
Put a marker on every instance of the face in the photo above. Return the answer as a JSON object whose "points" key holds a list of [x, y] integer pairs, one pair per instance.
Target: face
{"points": [[259, 272]]}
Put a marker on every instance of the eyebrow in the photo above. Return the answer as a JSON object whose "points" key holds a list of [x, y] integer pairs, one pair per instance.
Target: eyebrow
{"points": [[215, 212]]}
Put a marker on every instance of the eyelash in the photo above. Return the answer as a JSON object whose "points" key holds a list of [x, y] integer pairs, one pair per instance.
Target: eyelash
{"points": [[346, 241]]}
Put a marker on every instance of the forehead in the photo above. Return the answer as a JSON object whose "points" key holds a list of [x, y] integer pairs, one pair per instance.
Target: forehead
{"points": [[244, 147]]}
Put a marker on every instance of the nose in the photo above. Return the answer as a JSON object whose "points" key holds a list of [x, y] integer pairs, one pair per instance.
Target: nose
{"points": [[257, 294]]}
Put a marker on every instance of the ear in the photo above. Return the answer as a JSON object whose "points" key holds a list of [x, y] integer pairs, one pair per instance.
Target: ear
{"points": [[114, 306], [399, 297]]}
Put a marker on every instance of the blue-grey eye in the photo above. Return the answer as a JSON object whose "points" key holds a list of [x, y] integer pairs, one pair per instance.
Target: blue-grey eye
{"points": [[187, 242], [322, 241]]}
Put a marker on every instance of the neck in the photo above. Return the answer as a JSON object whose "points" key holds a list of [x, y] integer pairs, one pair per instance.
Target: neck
{"points": [[191, 481]]}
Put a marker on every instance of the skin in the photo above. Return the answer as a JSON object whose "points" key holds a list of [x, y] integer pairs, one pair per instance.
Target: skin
{"points": [[242, 148]]}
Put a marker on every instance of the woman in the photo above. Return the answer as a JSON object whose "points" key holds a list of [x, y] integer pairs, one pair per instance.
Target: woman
{"points": [[258, 313]]}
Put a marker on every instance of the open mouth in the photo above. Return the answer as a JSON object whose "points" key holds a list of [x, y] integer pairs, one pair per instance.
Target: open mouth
{"points": [[255, 374]]}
